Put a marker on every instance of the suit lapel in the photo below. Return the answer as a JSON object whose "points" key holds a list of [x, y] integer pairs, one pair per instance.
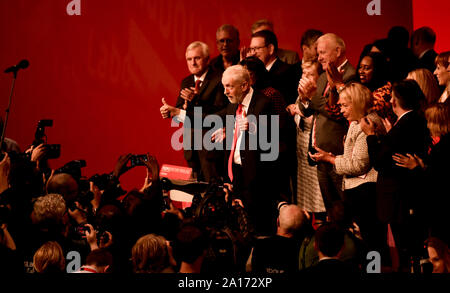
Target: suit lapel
{"points": [[251, 107]]}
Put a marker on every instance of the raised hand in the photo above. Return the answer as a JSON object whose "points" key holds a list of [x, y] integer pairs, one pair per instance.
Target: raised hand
{"points": [[367, 126], [306, 89], [121, 165], [334, 76], [387, 124], [168, 111]]}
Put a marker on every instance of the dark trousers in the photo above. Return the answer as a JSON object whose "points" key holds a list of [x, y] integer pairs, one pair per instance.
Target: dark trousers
{"points": [[361, 202], [258, 199], [330, 184], [205, 165]]}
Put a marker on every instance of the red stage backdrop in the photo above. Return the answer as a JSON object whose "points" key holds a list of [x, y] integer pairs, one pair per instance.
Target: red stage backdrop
{"points": [[101, 75]]}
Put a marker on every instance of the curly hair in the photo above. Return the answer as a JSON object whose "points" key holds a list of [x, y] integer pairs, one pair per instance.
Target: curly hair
{"points": [[49, 208]]}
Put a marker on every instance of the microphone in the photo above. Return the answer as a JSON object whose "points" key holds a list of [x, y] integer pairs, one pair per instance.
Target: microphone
{"points": [[21, 65]]}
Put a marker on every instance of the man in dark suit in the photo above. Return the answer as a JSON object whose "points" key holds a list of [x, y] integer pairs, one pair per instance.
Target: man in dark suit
{"points": [[248, 166], [422, 45], [329, 242], [264, 45], [227, 40], [203, 88], [329, 126], [287, 56], [398, 189]]}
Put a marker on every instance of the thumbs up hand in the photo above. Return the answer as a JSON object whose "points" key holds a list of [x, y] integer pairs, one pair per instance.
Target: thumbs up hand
{"points": [[242, 122], [168, 111]]}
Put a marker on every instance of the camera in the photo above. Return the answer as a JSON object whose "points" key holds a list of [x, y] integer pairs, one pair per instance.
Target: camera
{"points": [[39, 135], [138, 160], [101, 181], [72, 168], [53, 151]]}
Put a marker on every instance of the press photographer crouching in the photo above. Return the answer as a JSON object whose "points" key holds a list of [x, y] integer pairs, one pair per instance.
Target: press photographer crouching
{"points": [[222, 220]]}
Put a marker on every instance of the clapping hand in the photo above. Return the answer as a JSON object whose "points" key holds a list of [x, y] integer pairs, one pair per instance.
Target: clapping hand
{"points": [[306, 89], [334, 76], [367, 126], [409, 161]]}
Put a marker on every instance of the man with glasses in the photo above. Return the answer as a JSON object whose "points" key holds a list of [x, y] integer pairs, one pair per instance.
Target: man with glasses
{"points": [[227, 40], [264, 45]]}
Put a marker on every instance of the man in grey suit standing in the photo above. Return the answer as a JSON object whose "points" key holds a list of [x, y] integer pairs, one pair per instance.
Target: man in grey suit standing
{"points": [[329, 126]]}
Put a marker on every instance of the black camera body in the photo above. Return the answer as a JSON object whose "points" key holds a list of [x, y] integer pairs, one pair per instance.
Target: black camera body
{"points": [[53, 151], [39, 135], [138, 160], [72, 168]]}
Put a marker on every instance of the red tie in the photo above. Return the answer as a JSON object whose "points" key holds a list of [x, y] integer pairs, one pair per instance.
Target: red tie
{"points": [[233, 147], [196, 90]]}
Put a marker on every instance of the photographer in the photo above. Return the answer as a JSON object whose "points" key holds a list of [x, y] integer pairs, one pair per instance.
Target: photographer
{"points": [[50, 222]]}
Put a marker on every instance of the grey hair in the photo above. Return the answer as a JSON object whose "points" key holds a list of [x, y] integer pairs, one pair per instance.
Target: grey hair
{"points": [[335, 39], [238, 72], [197, 44]]}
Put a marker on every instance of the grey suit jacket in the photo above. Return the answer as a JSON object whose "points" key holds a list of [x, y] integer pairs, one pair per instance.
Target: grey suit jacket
{"points": [[329, 131], [288, 56]]}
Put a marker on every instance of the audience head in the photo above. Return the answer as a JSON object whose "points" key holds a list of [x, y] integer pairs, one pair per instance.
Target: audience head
{"points": [[330, 49], [438, 119], [407, 95], [290, 220], [308, 44], [49, 258], [227, 40], [110, 218], [439, 255], [65, 185], [150, 254], [197, 58], [340, 215], [382, 46], [422, 39], [236, 82], [373, 70], [259, 75], [311, 70], [427, 83], [264, 45], [355, 101], [190, 244], [49, 211], [442, 63], [101, 259], [261, 25], [399, 37], [329, 240]]}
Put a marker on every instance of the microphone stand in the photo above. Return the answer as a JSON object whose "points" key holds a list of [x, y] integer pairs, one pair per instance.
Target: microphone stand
{"points": [[7, 111]]}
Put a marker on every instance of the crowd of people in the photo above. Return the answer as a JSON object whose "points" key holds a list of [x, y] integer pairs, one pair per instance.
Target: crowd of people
{"points": [[358, 165]]}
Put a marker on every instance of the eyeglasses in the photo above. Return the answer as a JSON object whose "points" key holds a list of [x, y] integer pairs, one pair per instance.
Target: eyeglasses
{"points": [[225, 41], [253, 49]]}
